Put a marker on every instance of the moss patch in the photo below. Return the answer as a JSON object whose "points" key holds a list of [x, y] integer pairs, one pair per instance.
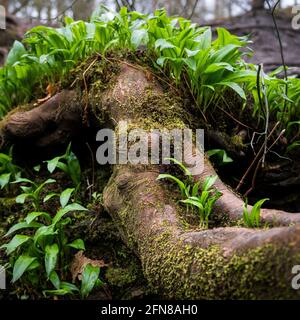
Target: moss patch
{"points": [[185, 272]]}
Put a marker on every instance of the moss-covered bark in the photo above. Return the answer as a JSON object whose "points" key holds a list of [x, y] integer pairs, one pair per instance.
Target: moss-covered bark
{"points": [[225, 262]]}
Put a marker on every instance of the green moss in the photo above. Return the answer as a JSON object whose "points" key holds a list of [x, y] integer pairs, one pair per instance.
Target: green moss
{"points": [[120, 277], [177, 270]]}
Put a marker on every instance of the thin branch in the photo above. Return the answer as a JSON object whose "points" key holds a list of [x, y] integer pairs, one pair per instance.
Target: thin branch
{"points": [[267, 113], [59, 14], [281, 49], [20, 7], [257, 157], [194, 9], [127, 4]]}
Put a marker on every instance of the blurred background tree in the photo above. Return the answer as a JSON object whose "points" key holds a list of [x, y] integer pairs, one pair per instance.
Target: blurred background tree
{"points": [[199, 10]]}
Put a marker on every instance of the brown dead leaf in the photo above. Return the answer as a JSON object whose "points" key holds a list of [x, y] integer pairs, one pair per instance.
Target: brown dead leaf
{"points": [[51, 90], [80, 262]]}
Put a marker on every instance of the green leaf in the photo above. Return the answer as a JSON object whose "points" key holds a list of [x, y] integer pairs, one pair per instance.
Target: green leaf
{"points": [[139, 37], [22, 225], [34, 215], [59, 292], [161, 61], [70, 287], [22, 264], [4, 179], [293, 146], [221, 155], [37, 168], [74, 169], [65, 197], [50, 196], [195, 189], [54, 278], [191, 53], [255, 213], [185, 170], [15, 54], [20, 199], [66, 288], [204, 40], [52, 164], [51, 255], [289, 125], [44, 232], [234, 86], [214, 67], [193, 202], [209, 182], [23, 180], [15, 243], [89, 278], [181, 184], [77, 244], [163, 44], [67, 209], [191, 63]]}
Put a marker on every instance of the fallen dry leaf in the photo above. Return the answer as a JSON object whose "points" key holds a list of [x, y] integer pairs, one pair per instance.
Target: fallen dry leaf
{"points": [[80, 261]]}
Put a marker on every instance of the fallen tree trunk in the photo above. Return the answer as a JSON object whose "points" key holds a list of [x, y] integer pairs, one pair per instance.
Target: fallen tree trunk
{"points": [[179, 262]]}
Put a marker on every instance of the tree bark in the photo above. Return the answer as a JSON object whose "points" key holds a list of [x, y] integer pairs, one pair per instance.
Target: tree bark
{"points": [[179, 262]]}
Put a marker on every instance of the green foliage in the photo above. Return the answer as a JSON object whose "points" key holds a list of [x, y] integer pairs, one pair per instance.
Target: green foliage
{"points": [[252, 219], [31, 192], [41, 254], [276, 97], [69, 164], [220, 155], [8, 170], [190, 192], [205, 201], [90, 278], [64, 197], [185, 52], [185, 187], [181, 46]]}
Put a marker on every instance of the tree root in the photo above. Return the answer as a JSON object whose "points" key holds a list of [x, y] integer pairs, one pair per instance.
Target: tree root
{"points": [[178, 261]]}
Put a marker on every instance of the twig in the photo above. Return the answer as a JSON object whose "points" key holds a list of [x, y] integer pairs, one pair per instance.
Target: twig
{"points": [[85, 118], [253, 179], [252, 140], [194, 9], [58, 15], [255, 159], [259, 162], [281, 51], [20, 7], [231, 116], [258, 78], [267, 113], [93, 169], [273, 144]]}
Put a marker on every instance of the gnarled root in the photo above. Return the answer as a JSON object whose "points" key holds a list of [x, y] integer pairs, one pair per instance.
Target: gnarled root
{"points": [[225, 262]]}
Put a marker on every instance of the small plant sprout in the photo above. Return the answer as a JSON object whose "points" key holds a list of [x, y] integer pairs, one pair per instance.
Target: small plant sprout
{"points": [[64, 197], [32, 192], [252, 219], [205, 201], [8, 170], [185, 187], [220, 156], [69, 164]]}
